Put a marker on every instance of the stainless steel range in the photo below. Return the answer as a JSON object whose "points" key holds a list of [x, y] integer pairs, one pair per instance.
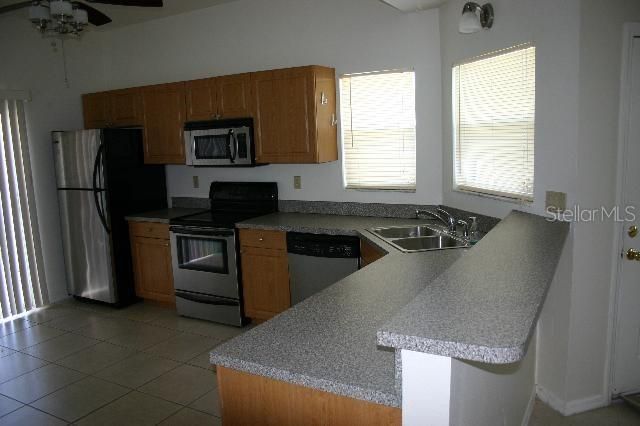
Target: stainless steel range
{"points": [[205, 253]]}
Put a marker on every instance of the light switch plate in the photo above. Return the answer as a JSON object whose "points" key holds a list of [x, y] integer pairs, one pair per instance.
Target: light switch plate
{"points": [[556, 201], [196, 182], [297, 182]]}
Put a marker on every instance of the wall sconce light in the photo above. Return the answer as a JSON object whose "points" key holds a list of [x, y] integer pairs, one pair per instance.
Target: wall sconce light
{"points": [[475, 17]]}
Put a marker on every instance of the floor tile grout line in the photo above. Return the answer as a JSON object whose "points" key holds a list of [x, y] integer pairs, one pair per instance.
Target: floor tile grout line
{"points": [[54, 361], [102, 406], [54, 391]]}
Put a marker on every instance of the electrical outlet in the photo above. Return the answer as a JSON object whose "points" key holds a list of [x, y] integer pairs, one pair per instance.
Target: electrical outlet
{"points": [[196, 182], [297, 182], [556, 201]]}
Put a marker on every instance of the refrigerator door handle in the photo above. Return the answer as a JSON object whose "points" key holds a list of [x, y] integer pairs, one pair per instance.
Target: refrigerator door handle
{"points": [[97, 191]]}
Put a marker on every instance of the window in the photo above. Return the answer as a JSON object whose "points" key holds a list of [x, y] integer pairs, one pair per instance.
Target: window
{"points": [[493, 116], [379, 130]]}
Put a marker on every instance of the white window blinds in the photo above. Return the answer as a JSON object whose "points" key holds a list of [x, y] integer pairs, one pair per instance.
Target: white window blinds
{"points": [[22, 285], [379, 130], [494, 116]]}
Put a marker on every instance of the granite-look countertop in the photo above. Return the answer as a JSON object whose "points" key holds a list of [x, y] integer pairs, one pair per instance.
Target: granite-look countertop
{"points": [[162, 215], [335, 340], [485, 307]]}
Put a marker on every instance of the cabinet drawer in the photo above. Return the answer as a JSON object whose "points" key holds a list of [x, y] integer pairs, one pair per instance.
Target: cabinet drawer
{"points": [[149, 230], [263, 239]]}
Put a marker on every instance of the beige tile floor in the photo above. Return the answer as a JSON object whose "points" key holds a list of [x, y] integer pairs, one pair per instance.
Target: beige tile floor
{"points": [[617, 414], [84, 364]]}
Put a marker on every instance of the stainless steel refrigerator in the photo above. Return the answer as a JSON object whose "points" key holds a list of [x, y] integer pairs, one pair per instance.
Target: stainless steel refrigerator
{"points": [[101, 178]]}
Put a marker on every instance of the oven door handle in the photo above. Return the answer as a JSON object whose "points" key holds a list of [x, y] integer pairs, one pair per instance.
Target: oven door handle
{"points": [[209, 300]]}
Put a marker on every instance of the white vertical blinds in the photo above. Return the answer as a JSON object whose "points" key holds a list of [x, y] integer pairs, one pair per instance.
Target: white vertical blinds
{"points": [[494, 117], [22, 283], [379, 130]]}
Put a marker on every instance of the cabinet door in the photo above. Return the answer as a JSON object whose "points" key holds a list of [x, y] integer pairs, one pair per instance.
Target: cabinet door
{"points": [[126, 107], [265, 282], [283, 107], [164, 117], [152, 268], [95, 108], [234, 96], [201, 99]]}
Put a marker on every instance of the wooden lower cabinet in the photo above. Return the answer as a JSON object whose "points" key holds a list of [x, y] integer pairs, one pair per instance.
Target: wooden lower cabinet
{"points": [[152, 267], [247, 399], [265, 273], [369, 253]]}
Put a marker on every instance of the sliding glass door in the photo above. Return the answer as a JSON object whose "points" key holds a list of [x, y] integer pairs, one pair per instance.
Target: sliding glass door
{"points": [[22, 283]]}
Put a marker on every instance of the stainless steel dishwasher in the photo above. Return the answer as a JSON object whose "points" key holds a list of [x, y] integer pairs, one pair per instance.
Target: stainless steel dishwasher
{"points": [[317, 261]]}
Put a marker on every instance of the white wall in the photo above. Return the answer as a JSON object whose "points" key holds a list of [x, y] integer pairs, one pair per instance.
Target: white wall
{"points": [[250, 35], [488, 395], [30, 63], [600, 70]]}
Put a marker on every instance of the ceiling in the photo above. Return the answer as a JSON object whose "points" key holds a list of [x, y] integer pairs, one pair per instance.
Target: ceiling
{"points": [[128, 15]]}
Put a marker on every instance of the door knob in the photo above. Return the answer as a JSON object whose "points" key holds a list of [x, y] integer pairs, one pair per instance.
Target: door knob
{"points": [[633, 254], [633, 231]]}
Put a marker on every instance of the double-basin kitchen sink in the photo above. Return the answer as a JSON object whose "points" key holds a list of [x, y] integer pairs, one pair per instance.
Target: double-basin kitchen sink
{"points": [[416, 238]]}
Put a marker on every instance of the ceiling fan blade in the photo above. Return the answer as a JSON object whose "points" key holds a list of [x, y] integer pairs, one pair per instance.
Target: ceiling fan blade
{"points": [[16, 6], [139, 3], [96, 17]]}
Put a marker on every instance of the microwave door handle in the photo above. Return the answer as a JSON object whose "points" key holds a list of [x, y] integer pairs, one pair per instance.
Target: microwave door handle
{"points": [[229, 136], [236, 147], [193, 147]]}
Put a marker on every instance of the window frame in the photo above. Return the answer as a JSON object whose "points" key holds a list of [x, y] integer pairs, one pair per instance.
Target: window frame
{"points": [[390, 189], [455, 124]]}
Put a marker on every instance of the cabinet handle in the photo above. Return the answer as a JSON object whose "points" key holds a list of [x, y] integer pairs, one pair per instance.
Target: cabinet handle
{"points": [[334, 120], [260, 239], [323, 99]]}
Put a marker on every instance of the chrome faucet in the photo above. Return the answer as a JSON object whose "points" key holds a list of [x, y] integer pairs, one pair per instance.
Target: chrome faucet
{"points": [[442, 215], [448, 219]]}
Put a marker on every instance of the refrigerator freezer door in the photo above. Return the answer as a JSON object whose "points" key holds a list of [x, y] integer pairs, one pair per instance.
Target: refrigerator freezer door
{"points": [[75, 157], [87, 247]]}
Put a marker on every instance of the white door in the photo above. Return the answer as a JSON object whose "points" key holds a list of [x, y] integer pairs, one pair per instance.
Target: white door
{"points": [[626, 367]]}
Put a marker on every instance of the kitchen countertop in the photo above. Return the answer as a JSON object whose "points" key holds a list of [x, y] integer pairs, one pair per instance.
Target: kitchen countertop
{"points": [[162, 215], [343, 339]]}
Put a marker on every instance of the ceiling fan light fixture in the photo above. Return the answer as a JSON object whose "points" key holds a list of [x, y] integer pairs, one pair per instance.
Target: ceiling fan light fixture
{"points": [[80, 17], [61, 9], [39, 14]]}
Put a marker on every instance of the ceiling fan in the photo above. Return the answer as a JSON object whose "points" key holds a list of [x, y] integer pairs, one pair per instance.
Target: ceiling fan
{"points": [[70, 17]]}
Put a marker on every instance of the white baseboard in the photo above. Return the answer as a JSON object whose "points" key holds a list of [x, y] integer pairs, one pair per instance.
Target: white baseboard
{"points": [[567, 408], [586, 404], [529, 410]]}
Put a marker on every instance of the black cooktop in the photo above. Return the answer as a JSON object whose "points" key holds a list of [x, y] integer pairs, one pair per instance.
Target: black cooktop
{"points": [[212, 219], [233, 202]]}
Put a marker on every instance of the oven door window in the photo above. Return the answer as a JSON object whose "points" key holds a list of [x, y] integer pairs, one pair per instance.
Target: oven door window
{"points": [[211, 147], [202, 254]]}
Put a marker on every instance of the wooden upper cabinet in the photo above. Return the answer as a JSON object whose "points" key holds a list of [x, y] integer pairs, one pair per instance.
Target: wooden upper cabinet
{"points": [[96, 110], [234, 96], [201, 99], [126, 107], [116, 108], [219, 97], [295, 115], [164, 118]]}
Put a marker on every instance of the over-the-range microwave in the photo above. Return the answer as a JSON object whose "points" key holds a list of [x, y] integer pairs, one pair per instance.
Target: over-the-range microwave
{"points": [[221, 143]]}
